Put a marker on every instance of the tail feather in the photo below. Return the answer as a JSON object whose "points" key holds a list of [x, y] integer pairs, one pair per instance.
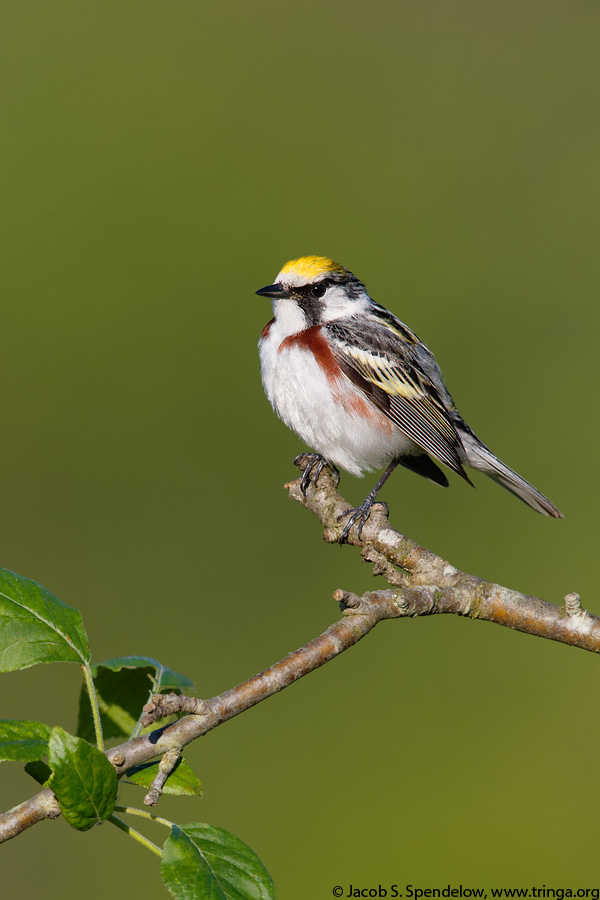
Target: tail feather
{"points": [[481, 457]]}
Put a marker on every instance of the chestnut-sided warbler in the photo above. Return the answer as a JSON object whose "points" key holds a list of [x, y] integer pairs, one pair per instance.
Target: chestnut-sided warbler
{"points": [[361, 389]]}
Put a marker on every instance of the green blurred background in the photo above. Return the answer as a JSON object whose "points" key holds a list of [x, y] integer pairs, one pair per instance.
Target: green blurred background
{"points": [[161, 161]]}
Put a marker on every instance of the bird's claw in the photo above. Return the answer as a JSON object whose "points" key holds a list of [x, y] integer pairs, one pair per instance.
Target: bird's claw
{"points": [[313, 469], [361, 513]]}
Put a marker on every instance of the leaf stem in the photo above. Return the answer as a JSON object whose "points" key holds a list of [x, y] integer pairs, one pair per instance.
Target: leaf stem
{"points": [[135, 835], [132, 811], [138, 725], [89, 682]]}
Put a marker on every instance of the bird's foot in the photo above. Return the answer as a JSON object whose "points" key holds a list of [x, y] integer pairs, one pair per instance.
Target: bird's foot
{"points": [[313, 466], [359, 514]]}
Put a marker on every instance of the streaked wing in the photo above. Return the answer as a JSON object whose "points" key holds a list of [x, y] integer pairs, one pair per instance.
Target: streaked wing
{"points": [[395, 383]]}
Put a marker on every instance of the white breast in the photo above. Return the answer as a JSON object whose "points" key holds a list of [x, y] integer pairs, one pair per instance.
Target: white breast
{"points": [[330, 415]]}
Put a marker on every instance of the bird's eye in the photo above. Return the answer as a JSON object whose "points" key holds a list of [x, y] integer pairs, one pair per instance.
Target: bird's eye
{"points": [[318, 290]]}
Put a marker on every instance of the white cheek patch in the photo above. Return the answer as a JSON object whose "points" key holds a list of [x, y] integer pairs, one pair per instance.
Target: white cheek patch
{"points": [[289, 318], [336, 304]]}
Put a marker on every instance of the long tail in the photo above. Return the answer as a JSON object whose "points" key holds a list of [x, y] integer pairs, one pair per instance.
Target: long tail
{"points": [[481, 457]]}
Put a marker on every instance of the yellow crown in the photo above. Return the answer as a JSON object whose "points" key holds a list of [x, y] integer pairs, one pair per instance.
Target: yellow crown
{"points": [[310, 267]]}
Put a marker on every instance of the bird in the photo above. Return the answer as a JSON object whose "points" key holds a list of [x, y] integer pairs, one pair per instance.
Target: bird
{"points": [[362, 391]]}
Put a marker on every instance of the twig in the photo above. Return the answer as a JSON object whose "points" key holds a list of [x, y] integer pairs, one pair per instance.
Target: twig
{"points": [[165, 767]]}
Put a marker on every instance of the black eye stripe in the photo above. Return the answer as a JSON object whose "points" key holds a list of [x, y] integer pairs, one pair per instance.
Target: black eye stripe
{"points": [[315, 290]]}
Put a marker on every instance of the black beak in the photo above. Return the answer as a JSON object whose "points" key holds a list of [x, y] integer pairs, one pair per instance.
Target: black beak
{"points": [[275, 291]]}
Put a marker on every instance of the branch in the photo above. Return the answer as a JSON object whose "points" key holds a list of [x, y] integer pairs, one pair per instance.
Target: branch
{"points": [[203, 715], [428, 584], [422, 584]]}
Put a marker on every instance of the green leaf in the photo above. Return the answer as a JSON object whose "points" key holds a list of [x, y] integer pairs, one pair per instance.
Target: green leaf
{"points": [[182, 781], [83, 780], [37, 627], [22, 740], [39, 771], [123, 685], [163, 678], [202, 862]]}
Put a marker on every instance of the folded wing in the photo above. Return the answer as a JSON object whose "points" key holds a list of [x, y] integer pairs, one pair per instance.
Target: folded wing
{"points": [[388, 371]]}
